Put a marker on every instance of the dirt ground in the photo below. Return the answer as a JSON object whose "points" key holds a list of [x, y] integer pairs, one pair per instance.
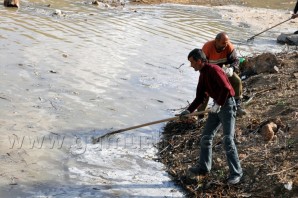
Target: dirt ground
{"points": [[195, 2], [266, 138]]}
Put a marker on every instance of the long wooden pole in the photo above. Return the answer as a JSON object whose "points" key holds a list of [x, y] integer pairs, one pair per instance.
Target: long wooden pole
{"points": [[97, 139], [251, 38]]}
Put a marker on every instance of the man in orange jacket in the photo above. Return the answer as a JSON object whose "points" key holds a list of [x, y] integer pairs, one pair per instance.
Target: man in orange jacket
{"points": [[221, 52]]}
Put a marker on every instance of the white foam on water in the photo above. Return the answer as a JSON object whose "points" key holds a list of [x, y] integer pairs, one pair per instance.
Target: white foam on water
{"points": [[128, 171]]}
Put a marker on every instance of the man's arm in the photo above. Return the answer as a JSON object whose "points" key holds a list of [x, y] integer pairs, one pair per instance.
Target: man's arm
{"points": [[200, 95], [222, 81], [206, 50], [233, 60]]}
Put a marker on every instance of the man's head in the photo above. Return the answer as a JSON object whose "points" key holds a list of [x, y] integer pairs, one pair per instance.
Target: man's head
{"points": [[197, 59], [221, 41]]}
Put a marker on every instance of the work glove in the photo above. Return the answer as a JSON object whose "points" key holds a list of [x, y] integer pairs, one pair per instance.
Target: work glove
{"points": [[183, 115], [215, 108], [228, 70]]}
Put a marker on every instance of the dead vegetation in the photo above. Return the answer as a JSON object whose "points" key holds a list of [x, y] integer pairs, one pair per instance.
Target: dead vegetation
{"points": [[267, 138]]}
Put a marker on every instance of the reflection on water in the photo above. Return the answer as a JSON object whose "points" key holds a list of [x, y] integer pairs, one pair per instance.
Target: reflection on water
{"points": [[98, 69]]}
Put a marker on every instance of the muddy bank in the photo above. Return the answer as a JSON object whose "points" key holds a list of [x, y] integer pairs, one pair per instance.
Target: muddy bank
{"points": [[267, 139], [192, 2], [272, 4]]}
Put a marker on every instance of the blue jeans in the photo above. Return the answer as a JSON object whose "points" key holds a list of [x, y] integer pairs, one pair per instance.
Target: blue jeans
{"points": [[226, 117]]}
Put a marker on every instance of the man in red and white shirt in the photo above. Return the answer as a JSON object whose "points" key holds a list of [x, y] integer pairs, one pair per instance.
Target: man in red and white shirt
{"points": [[216, 84]]}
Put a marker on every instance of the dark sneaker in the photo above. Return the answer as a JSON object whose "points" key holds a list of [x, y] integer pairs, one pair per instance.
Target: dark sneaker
{"points": [[196, 171], [240, 111], [232, 180]]}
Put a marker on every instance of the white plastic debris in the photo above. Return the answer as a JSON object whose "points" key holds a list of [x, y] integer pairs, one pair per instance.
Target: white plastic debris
{"points": [[289, 185]]}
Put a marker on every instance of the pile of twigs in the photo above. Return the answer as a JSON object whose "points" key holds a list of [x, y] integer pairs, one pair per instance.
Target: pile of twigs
{"points": [[267, 167]]}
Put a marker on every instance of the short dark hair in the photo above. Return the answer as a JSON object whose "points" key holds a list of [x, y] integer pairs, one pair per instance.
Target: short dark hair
{"points": [[197, 54]]}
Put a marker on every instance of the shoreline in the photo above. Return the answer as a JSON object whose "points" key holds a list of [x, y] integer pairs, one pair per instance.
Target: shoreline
{"points": [[254, 18]]}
